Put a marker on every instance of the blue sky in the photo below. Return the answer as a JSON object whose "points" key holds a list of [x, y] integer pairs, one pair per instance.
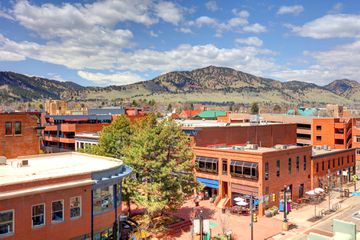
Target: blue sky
{"points": [[119, 42]]}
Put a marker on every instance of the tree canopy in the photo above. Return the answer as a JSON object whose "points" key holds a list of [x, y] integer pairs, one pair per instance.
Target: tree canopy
{"points": [[161, 157]]}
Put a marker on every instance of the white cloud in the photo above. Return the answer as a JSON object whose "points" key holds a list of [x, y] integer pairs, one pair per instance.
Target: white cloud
{"points": [[10, 56], [295, 10], [336, 8], [238, 23], [255, 28], [340, 62], [254, 41], [5, 15], [102, 79], [169, 12], [153, 34], [212, 6], [184, 30], [330, 26]]}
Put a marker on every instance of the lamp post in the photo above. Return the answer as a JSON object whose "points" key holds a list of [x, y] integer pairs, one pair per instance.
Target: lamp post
{"points": [[201, 225], [329, 182], [251, 218], [285, 221]]}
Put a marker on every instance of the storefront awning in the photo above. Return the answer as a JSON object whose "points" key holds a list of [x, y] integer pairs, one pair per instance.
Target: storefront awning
{"points": [[208, 182], [207, 159]]}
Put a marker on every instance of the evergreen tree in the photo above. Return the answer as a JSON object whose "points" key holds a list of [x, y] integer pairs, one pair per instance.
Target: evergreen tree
{"points": [[254, 108]]}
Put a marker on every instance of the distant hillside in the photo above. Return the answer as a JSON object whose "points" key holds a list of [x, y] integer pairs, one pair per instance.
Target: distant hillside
{"points": [[209, 84], [18, 87]]}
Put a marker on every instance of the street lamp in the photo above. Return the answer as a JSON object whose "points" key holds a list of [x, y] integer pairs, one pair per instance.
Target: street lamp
{"points": [[329, 182], [285, 221]]}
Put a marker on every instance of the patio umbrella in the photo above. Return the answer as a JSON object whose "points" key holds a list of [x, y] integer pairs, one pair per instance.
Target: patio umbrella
{"points": [[319, 190], [239, 199], [241, 203], [311, 192]]}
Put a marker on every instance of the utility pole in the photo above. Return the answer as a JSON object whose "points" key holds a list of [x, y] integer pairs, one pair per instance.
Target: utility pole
{"points": [[251, 218]]}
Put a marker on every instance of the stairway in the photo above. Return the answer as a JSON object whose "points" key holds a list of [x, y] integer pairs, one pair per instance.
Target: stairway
{"points": [[223, 202]]}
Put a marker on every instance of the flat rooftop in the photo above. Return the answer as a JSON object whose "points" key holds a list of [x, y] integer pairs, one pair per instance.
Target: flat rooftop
{"points": [[322, 151], [214, 123], [46, 166], [247, 148]]}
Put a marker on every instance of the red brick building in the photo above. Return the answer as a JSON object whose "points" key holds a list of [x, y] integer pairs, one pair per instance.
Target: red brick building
{"points": [[60, 196], [19, 134]]}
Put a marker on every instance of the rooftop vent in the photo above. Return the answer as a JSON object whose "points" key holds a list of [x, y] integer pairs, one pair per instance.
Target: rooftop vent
{"points": [[281, 146], [252, 146], [2, 160]]}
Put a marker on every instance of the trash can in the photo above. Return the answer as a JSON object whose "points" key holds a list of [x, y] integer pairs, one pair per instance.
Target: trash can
{"points": [[346, 192]]}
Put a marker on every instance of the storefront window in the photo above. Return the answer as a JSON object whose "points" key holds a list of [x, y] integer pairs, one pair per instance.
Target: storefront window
{"points": [[103, 199], [244, 169], [6, 222], [75, 207], [207, 164]]}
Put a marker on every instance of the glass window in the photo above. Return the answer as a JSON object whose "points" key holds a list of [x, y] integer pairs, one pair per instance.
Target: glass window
{"points": [[75, 207], [304, 162], [278, 168], [17, 128], [338, 161], [342, 161], [57, 211], [8, 128], [297, 164], [318, 127], [318, 138], [6, 222], [348, 159], [103, 199], [289, 166], [322, 165], [334, 163], [329, 164], [266, 170], [207, 164], [317, 167], [38, 215], [224, 167]]}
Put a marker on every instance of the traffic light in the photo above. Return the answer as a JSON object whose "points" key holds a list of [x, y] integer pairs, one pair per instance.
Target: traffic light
{"points": [[274, 197], [254, 216]]}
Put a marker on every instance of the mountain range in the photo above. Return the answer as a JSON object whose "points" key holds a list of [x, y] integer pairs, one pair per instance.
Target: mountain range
{"points": [[209, 84]]}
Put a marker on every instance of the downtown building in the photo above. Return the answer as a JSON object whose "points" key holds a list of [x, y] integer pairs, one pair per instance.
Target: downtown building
{"points": [[60, 196], [259, 159], [20, 134]]}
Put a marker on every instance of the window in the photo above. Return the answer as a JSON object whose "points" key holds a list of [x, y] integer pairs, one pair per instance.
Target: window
{"points": [[348, 159], [224, 167], [38, 215], [17, 128], [334, 163], [358, 151], [6, 222], [289, 166], [317, 167], [266, 170], [318, 138], [207, 164], [8, 128], [278, 168], [357, 138], [318, 128], [338, 161], [103, 199], [329, 164], [342, 161], [304, 162], [243, 169], [297, 164], [75, 207], [57, 211], [322, 165]]}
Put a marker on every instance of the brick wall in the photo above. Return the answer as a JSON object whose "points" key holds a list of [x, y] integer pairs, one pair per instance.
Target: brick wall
{"points": [[26, 143]]}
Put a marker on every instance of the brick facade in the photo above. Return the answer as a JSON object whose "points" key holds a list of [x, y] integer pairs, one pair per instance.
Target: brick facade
{"points": [[25, 143]]}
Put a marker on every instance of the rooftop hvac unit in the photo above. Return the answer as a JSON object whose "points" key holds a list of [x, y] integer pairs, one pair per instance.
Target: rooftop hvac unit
{"points": [[281, 146], [325, 147], [24, 163], [252, 146], [2, 160]]}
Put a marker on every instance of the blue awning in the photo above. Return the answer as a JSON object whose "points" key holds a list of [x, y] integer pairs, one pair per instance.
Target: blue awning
{"points": [[208, 182]]}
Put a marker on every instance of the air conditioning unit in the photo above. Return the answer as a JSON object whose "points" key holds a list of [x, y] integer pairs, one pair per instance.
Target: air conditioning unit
{"points": [[24, 163], [325, 147], [252, 146], [2, 160], [281, 146]]}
